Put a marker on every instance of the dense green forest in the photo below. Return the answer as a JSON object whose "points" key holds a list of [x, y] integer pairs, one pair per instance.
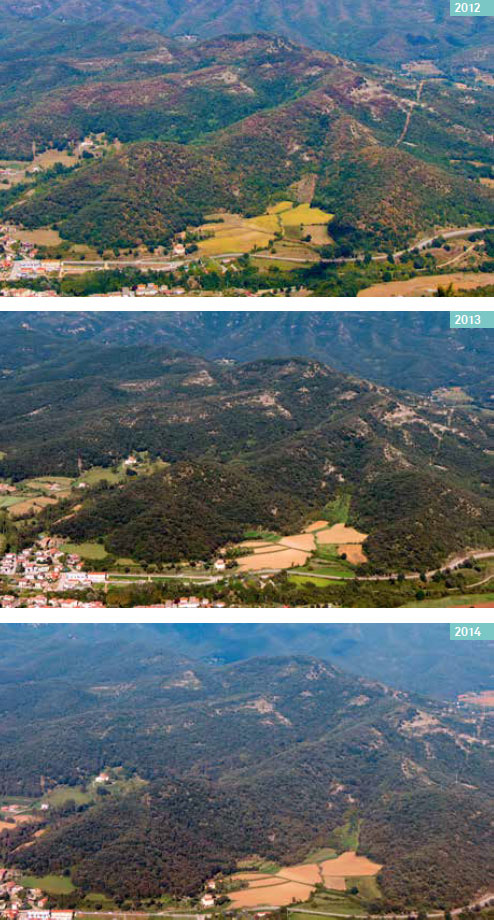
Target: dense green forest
{"points": [[268, 444], [217, 762]]}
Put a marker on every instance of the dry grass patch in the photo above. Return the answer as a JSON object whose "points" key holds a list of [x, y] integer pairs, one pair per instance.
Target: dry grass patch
{"points": [[276, 559], [316, 525], [350, 864], [353, 552], [303, 541], [44, 236], [340, 534], [309, 874], [31, 505], [427, 285], [275, 895], [17, 819], [257, 544], [305, 214]]}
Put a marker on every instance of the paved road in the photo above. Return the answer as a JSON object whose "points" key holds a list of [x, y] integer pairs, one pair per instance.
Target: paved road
{"points": [[453, 563], [171, 265], [128, 915]]}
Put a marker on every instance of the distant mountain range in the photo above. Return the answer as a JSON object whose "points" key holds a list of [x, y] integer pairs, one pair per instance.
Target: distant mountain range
{"points": [[377, 30], [416, 351]]}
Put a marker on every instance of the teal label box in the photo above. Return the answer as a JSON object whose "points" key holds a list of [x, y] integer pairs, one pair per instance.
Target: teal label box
{"points": [[471, 8], [479, 319], [471, 632]]}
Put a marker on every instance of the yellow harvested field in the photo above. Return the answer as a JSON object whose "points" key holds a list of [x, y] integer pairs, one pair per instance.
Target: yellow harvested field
{"points": [[18, 819], [339, 534], [317, 525], [297, 882], [305, 214], [250, 876], [335, 882], [349, 864], [269, 882], [31, 505], [303, 541], [279, 207], [44, 236], [353, 551], [309, 874], [269, 223], [272, 896], [240, 240], [247, 544], [485, 181], [427, 285], [283, 559], [319, 233]]}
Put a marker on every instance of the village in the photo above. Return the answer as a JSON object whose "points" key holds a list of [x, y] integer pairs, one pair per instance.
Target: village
{"points": [[37, 574], [20, 903]]}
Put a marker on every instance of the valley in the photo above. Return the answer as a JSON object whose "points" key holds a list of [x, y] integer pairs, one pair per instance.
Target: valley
{"points": [[134, 472], [172, 785], [328, 174]]}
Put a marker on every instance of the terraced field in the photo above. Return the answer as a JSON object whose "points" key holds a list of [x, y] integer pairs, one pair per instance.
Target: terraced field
{"points": [[295, 883], [317, 541], [234, 233]]}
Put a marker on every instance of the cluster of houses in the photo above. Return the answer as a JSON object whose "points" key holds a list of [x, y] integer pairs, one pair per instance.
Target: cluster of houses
{"points": [[44, 568], [20, 903]]}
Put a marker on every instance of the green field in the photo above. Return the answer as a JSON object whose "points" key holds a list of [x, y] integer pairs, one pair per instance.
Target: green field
{"points": [[85, 550], [52, 884], [320, 855], [109, 474], [457, 600], [264, 535], [346, 837], [367, 886], [300, 579], [337, 510], [65, 482], [62, 794], [8, 500]]}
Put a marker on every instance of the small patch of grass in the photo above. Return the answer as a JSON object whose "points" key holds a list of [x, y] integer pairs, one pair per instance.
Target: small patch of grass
{"points": [[85, 550], [52, 884], [261, 535], [62, 794], [320, 855], [368, 888], [299, 579], [456, 600]]}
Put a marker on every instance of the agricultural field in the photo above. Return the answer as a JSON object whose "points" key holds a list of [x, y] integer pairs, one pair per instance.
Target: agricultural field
{"points": [[297, 882], [426, 285], [62, 794], [51, 884], [317, 543], [234, 233], [458, 600], [90, 551]]}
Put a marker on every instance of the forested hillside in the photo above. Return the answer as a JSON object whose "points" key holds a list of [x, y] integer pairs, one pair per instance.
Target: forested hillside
{"points": [[377, 30], [240, 123], [228, 761], [415, 351], [268, 444]]}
